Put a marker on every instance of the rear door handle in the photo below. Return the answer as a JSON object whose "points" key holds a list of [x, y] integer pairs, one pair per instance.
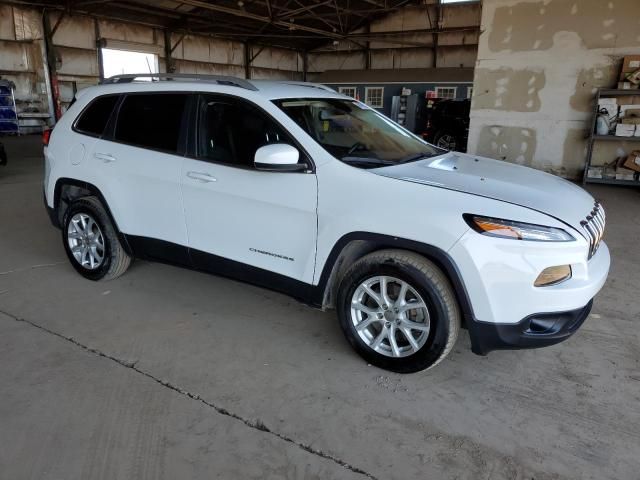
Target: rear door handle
{"points": [[203, 177], [105, 157]]}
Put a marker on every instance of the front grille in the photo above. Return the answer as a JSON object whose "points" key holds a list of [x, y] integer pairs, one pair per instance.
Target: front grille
{"points": [[593, 226]]}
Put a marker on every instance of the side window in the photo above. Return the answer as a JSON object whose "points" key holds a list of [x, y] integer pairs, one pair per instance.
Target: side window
{"points": [[151, 120], [95, 117], [230, 131]]}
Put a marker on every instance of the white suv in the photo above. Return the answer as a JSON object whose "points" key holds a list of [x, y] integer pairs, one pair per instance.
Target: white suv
{"points": [[299, 189]]}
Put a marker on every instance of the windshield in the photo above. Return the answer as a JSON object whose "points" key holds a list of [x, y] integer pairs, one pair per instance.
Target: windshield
{"points": [[356, 134]]}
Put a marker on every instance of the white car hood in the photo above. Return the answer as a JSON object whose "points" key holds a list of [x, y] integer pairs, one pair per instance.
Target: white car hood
{"points": [[499, 180]]}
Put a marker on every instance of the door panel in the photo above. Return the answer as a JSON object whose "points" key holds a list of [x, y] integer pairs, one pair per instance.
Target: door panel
{"points": [[264, 219], [141, 166], [143, 190]]}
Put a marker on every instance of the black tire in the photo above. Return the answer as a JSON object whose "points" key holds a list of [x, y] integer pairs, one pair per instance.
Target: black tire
{"points": [[432, 285], [455, 146], [115, 261]]}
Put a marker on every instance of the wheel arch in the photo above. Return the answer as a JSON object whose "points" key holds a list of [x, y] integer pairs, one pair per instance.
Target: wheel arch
{"points": [[353, 246], [69, 189]]}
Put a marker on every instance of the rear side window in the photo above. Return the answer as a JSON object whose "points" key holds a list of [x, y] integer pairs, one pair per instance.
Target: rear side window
{"points": [[93, 120], [151, 120]]}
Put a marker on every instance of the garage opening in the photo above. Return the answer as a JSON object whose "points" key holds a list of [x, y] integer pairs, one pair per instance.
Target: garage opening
{"points": [[118, 62]]}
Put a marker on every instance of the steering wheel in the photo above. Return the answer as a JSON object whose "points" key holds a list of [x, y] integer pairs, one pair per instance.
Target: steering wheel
{"points": [[356, 146]]}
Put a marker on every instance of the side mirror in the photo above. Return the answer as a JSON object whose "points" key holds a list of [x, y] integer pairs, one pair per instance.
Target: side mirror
{"points": [[278, 157]]}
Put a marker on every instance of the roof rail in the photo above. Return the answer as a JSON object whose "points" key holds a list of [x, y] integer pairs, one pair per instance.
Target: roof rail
{"points": [[311, 85], [219, 79]]}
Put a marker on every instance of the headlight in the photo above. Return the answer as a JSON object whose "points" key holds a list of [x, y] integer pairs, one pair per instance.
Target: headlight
{"points": [[496, 227]]}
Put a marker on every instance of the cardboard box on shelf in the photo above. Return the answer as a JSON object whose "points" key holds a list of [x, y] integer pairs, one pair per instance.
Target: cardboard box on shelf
{"points": [[609, 172], [626, 86], [630, 120], [625, 174], [627, 100], [632, 162], [632, 77], [630, 111], [625, 130], [595, 172], [631, 63]]}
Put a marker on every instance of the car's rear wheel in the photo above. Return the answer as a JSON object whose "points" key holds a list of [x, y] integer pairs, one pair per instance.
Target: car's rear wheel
{"points": [[398, 311], [91, 241]]}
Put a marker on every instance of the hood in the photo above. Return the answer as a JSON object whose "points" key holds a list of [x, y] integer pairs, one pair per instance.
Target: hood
{"points": [[498, 180]]}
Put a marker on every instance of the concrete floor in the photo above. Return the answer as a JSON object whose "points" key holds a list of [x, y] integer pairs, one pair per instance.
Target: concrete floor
{"points": [[169, 373]]}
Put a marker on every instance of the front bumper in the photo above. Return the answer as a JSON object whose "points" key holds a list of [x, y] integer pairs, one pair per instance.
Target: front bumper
{"points": [[506, 310], [534, 331], [499, 276]]}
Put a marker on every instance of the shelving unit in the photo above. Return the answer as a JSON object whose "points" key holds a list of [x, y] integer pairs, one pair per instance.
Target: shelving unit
{"points": [[608, 138], [8, 113]]}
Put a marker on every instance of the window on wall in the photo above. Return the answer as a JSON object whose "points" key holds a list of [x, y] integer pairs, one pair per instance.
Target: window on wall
{"points": [[118, 62], [469, 92], [374, 96], [446, 92], [349, 91]]}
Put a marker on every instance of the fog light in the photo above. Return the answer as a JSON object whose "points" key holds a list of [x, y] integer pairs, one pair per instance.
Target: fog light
{"points": [[553, 276]]}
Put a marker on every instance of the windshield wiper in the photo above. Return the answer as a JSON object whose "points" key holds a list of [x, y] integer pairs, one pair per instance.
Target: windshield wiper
{"points": [[418, 156], [367, 161]]}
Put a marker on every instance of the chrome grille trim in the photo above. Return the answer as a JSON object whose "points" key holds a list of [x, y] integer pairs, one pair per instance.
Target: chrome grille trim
{"points": [[594, 226]]}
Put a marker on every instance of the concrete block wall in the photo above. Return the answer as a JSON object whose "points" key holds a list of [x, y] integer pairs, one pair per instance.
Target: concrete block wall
{"points": [[539, 65]]}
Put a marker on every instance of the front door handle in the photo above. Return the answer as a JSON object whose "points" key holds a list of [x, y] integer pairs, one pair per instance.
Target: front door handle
{"points": [[203, 177], [105, 157]]}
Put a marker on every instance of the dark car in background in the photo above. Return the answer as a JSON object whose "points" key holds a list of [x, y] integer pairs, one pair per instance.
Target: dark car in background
{"points": [[448, 124]]}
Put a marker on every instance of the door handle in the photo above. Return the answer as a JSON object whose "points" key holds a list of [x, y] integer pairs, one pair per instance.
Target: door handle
{"points": [[203, 177], [105, 157]]}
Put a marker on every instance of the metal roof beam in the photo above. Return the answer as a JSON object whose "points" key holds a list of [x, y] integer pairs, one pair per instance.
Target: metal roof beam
{"points": [[260, 18]]}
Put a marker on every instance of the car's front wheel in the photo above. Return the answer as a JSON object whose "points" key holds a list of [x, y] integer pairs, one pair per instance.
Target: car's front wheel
{"points": [[91, 241], [398, 310]]}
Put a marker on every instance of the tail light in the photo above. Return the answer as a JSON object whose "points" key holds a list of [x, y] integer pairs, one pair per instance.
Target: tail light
{"points": [[46, 135]]}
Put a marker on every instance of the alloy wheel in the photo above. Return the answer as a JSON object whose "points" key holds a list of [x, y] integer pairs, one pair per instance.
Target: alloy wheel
{"points": [[447, 142], [86, 241], [390, 316]]}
